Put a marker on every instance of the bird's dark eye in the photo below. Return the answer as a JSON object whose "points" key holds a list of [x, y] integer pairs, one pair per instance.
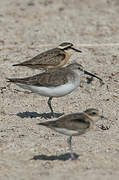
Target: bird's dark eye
{"points": [[93, 113], [80, 68]]}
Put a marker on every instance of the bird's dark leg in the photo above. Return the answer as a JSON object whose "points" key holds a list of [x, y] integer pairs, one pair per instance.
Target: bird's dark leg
{"points": [[49, 104], [46, 70], [70, 147]]}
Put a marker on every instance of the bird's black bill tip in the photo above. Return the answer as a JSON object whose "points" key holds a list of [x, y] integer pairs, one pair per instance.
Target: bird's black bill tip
{"points": [[93, 75], [77, 50], [103, 117], [15, 65]]}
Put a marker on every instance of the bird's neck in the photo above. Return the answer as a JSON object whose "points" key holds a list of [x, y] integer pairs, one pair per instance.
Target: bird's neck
{"points": [[89, 119], [68, 53]]}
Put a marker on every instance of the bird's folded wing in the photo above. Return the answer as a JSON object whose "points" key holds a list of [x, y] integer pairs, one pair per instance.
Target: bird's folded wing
{"points": [[72, 122], [46, 79], [50, 57]]}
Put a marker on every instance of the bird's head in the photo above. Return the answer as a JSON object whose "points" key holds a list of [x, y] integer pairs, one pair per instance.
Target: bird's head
{"points": [[94, 114], [68, 46]]}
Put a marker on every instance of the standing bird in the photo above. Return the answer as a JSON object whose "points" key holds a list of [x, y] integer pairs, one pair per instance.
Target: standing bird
{"points": [[74, 124], [53, 58], [55, 82]]}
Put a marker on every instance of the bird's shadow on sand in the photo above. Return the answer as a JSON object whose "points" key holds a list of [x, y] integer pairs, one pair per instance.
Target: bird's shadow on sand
{"points": [[28, 114], [61, 157]]}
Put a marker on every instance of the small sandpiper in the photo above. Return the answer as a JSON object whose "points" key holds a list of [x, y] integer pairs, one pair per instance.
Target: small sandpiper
{"points": [[74, 124], [55, 82], [53, 58]]}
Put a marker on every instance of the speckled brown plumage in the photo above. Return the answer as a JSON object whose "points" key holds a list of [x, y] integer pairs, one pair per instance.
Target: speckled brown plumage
{"points": [[53, 58], [48, 58]]}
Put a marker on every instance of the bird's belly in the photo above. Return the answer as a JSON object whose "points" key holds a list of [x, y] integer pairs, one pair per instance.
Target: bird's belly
{"points": [[57, 91], [67, 131]]}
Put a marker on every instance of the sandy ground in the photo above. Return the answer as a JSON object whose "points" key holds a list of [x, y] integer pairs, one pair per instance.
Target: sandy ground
{"points": [[31, 152]]}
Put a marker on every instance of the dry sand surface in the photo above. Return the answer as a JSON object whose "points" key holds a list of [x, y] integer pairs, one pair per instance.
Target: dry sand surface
{"points": [[31, 152]]}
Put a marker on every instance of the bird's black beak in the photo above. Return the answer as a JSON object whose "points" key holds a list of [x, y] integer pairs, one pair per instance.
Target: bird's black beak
{"points": [[102, 117], [77, 50], [93, 75]]}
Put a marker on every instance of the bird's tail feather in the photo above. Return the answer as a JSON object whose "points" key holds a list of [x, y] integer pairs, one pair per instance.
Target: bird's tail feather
{"points": [[43, 124], [20, 64], [13, 80]]}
